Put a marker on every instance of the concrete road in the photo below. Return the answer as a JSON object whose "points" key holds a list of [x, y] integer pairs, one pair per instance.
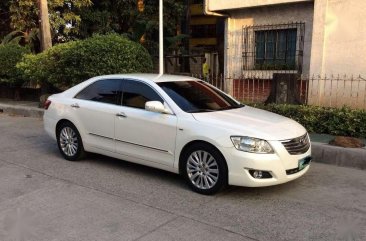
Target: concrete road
{"points": [[44, 197]]}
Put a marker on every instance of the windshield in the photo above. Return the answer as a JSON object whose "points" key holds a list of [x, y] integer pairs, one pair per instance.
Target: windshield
{"points": [[198, 96]]}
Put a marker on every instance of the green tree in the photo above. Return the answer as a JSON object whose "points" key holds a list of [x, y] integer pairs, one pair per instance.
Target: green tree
{"points": [[137, 19], [10, 55], [79, 19], [70, 63], [64, 19]]}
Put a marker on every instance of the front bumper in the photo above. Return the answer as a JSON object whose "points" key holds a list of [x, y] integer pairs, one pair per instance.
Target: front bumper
{"points": [[239, 163]]}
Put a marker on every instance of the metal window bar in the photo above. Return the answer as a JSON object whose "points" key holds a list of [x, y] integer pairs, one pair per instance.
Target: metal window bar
{"points": [[282, 58]]}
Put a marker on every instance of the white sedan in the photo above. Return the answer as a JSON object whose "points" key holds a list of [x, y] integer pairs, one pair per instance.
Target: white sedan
{"points": [[179, 124]]}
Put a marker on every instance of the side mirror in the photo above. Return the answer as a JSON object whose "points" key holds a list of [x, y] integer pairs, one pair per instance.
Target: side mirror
{"points": [[155, 106]]}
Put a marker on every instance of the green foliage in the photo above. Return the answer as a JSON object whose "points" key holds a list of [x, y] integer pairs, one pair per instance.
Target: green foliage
{"points": [[275, 66], [70, 63], [136, 19], [29, 39], [324, 120], [64, 16], [80, 19], [10, 55]]}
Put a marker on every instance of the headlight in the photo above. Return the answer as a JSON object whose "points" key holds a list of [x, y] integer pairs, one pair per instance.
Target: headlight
{"points": [[250, 144]]}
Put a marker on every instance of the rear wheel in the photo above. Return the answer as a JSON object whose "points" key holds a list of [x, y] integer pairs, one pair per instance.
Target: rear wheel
{"points": [[69, 142], [204, 169]]}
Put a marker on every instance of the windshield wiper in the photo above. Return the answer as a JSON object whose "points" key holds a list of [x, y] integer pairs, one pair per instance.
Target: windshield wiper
{"points": [[199, 110]]}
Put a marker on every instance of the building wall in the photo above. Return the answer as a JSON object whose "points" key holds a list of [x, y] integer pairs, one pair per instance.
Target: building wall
{"points": [[339, 53], [219, 5], [339, 37], [198, 18], [334, 50], [300, 12]]}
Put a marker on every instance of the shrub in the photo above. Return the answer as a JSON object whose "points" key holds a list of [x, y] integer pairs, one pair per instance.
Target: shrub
{"points": [[10, 55], [324, 120], [70, 63]]}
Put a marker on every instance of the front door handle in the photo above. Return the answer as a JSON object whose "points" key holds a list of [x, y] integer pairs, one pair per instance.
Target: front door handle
{"points": [[76, 105], [121, 114]]}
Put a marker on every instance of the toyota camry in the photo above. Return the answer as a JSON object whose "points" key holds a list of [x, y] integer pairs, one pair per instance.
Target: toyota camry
{"points": [[180, 124]]}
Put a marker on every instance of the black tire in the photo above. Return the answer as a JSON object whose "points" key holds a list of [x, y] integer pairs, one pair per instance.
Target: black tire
{"points": [[195, 153], [70, 154]]}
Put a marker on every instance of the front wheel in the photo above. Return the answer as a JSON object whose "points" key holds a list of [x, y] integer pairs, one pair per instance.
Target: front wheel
{"points": [[69, 142], [204, 169]]}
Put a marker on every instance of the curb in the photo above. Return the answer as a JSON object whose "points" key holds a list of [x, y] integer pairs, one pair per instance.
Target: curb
{"points": [[25, 111], [339, 156]]}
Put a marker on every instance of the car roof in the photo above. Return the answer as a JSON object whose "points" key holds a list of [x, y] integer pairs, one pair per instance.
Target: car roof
{"points": [[152, 77]]}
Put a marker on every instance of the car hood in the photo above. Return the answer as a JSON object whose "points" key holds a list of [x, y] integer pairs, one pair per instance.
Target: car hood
{"points": [[253, 122]]}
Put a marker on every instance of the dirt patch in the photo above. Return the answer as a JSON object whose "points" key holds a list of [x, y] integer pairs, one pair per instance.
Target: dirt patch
{"points": [[349, 142]]}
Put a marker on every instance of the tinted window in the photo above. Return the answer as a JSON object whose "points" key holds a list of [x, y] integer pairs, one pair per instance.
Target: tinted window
{"points": [[105, 91], [197, 96], [136, 94]]}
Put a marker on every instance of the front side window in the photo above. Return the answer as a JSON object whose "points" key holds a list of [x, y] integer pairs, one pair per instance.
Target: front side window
{"points": [[136, 94], [198, 96], [104, 91]]}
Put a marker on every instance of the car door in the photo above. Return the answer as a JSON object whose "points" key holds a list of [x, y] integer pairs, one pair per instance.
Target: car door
{"points": [[95, 108], [143, 134]]}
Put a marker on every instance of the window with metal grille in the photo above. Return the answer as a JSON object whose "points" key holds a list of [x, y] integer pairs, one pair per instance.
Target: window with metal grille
{"points": [[273, 47]]}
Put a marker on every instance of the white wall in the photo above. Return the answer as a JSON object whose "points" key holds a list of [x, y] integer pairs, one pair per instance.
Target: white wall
{"points": [[219, 5], [339, 37], [300, 12], [339, 53]]}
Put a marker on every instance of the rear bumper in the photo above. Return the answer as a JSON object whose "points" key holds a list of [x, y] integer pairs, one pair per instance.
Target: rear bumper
{"points": [[49, 125]]}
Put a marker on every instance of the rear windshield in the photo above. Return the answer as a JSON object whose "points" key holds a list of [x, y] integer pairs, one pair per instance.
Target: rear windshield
{"points": [[198, 96]]}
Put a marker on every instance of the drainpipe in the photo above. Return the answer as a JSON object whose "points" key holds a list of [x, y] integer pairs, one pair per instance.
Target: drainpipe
{"points": [[206, 11]]}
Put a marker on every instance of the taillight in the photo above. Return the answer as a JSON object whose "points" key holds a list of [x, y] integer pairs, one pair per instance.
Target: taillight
{"points": [[47, 104]]}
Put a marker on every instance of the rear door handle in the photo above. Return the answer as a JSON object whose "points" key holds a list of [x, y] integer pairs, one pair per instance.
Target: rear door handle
{"points": [[121, 114], [76, 105]]}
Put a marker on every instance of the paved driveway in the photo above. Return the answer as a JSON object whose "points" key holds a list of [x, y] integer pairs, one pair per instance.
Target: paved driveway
{"points": [[43, 197]]}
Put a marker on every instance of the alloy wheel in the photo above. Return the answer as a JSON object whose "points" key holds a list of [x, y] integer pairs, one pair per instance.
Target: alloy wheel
{"points": [[202, 169], [69, 141]]}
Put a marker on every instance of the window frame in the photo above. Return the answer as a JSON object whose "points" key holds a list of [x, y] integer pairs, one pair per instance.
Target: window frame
{"points": [[293, 64], [276, 58], [118, 98], [165, 103], [216, 91]]}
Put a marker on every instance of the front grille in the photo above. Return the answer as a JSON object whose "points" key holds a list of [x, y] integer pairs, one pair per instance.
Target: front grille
{"points": [[298, 145]]}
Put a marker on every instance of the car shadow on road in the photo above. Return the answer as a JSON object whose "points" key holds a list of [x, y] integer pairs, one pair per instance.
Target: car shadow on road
{"points": [[176, 181], [136, 169]]}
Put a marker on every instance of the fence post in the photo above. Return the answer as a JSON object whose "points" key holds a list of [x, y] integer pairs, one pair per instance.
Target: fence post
{"points": [[228, 88]]}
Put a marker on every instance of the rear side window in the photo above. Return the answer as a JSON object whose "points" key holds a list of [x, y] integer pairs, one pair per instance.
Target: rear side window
{"points": [[105, 91], [136, 94]]}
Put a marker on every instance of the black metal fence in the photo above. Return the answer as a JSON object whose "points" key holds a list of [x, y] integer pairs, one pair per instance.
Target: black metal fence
{"points": [[329, 91], [337, 91]]}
